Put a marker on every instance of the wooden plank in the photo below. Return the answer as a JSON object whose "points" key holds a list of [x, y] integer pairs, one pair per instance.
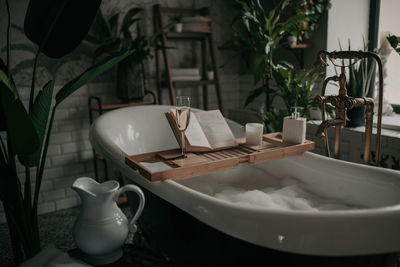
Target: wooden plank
{"points": [[187, 35], [209, 162], [195, 170], [282, 152], [299, 46], [184, 11], [190, 160], [123, 105]]}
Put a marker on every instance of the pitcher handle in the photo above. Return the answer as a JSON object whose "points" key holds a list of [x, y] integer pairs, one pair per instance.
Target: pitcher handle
{"points": [[139, 192]]}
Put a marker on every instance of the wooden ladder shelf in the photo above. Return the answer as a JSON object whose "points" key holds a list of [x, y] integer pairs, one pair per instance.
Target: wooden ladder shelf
{"points": [[203, 37], [196, 164]]}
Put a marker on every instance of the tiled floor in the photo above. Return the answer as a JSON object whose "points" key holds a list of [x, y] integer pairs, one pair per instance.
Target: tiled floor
{"points": [[55, 228]]}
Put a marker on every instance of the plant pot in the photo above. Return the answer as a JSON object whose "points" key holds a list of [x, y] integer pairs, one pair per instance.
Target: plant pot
{"points": [[178, 27], [130, 83], [315, 113], [210, 75], [292, 40], [356, 116]]}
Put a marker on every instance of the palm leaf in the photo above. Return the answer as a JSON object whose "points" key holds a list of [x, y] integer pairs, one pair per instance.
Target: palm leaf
{"points": [[89, 75], [113, 24], [100, 27], [23, 136], [243, 5], [253, 94], [58, 27], [39, 115], [259, 60], [128, 21]]}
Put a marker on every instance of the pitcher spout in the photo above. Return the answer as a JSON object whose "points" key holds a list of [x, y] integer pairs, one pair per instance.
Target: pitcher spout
{"points": [[88, 188], [84, 186]]}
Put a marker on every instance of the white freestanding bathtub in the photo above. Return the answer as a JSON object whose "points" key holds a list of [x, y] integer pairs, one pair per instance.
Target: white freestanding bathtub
{"points": [[362, 216]]}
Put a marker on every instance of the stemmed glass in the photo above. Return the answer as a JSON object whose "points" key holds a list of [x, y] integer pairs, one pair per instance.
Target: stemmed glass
{"points": [[182, 117]]}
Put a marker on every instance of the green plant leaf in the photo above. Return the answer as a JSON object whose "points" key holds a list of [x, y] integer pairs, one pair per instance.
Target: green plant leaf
{"points": [[100, 30], [113, 24], [22, 132], [128, 21], [243, 5], [4, 79], [393, 40], [91, 39], [259, 66], [58, 27], [110, 47], [89, 75], [289, 24], [253, 94], [3, 68], [39, 115]]}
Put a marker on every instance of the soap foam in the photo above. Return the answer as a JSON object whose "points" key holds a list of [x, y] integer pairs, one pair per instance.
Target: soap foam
{"points": [[288, 196]]}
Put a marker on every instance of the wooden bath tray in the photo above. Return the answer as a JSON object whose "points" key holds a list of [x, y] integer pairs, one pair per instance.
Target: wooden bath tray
{"points": [[158, 166]]}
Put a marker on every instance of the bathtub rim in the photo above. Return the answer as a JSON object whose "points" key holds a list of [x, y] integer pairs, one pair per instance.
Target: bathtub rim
{"points": [[117, 157]]}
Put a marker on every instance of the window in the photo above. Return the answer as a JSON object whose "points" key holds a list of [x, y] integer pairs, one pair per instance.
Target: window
{"points": [[389, 23]]}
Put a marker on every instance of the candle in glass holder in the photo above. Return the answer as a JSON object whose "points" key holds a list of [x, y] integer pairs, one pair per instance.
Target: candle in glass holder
{"points": [[254, 133]]}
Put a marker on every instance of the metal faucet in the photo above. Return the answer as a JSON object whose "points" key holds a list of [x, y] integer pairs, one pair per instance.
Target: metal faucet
{"points": [[343, 102]]}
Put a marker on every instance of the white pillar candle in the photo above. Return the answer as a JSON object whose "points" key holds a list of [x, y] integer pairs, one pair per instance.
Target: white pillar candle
{"points": [[254, 133]]}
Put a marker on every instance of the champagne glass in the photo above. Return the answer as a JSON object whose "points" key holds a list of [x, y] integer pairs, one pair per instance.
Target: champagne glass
{"points": [[182, 117]]}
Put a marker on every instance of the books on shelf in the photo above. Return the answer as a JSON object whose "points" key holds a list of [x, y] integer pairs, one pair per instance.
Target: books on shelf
{"points": [[207, 131], [195, 19], [186, 78], [185, 74], [196, 24], [197, 27]]}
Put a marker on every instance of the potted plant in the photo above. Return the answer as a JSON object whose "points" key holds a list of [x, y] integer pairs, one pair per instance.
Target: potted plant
{"points": [[48, 24], [178, 26], [358, 84], [294, 89], [210, 71], [312, 12], [261, 33], [112, 38]]}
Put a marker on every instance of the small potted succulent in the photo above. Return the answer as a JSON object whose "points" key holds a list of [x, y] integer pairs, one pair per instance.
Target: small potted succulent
{"points": [[292, 39], [358, 85], [178, 24], [210, 71]]}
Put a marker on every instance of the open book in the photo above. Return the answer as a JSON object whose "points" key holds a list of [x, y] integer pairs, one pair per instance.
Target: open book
{"points": [[207, 131]]}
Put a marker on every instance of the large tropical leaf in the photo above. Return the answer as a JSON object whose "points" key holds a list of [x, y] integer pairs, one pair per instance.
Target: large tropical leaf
{"points": [[100, 30], [259, 66], [59, 26], [39, 115], [128, 21], [89, 75], [3, 68], [253, 94], [23, 136]]}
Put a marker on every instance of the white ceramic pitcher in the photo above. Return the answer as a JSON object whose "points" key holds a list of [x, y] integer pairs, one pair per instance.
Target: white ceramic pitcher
{"points": [[101, 227]]}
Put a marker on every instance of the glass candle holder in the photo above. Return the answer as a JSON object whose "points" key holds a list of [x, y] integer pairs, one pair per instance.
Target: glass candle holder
{"points": [[254, 133]]}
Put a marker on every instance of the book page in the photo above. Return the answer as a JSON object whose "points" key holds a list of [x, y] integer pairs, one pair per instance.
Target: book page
{"points": [[194, 132], [215, 128]]}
